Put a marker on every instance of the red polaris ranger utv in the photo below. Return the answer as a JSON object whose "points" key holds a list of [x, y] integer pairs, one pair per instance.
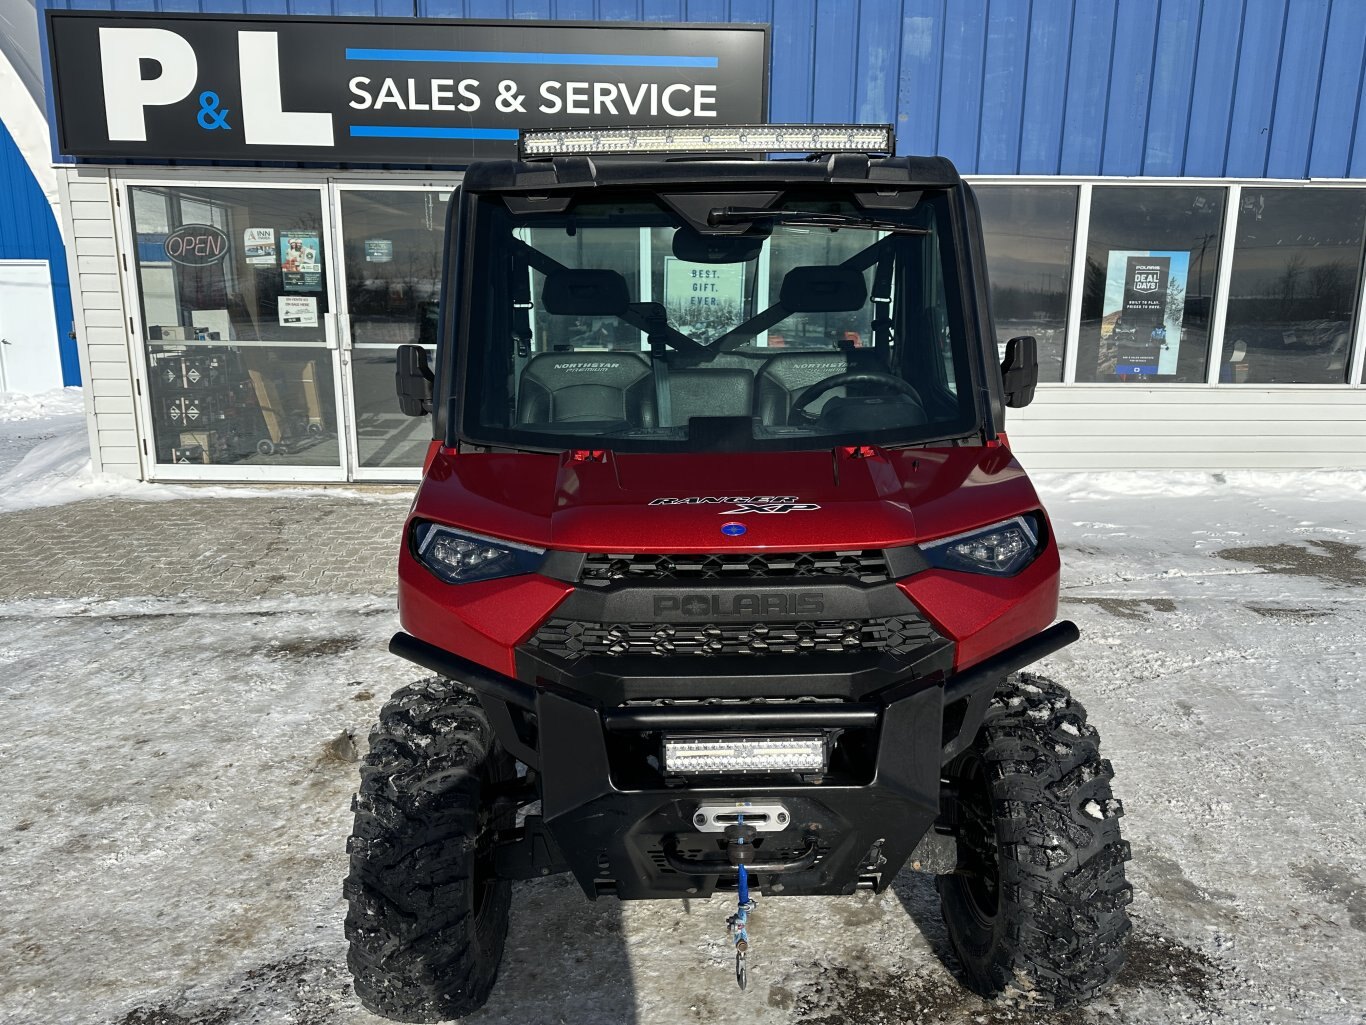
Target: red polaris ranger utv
{"points": [[727, 571]]}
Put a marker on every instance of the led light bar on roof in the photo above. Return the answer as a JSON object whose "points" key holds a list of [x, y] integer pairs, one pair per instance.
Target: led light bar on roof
{"points": [[561, 142]]}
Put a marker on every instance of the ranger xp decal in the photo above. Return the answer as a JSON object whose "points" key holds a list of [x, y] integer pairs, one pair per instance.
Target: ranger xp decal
{"points": [[751, 504]]}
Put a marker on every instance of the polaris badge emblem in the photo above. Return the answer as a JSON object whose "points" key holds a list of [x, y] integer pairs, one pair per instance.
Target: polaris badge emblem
{"points": [[733, 529], [749, 603], [745, 504]]}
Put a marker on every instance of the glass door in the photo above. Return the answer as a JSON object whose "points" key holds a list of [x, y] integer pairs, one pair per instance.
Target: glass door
{"points": [[234, 308], [390, 284]]}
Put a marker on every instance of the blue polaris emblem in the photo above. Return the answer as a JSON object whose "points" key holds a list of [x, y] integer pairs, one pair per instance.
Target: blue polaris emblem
{"points": [[733, 529]]}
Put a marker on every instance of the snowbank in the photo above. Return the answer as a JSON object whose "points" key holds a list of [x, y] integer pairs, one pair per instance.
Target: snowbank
{"points": [[15, 406]]}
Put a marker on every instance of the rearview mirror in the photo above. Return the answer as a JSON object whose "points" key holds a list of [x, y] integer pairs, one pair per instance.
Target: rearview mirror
{"points": [[413, 381], [1020, 371], [694, 247]]}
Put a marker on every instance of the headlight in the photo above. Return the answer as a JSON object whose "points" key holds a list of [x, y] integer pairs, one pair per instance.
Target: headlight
{"points": [[1003, 549], [459, 557]]}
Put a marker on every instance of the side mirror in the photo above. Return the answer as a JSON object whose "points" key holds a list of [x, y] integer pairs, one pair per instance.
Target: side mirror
{"points": [[413, 381], [1020, 371]]}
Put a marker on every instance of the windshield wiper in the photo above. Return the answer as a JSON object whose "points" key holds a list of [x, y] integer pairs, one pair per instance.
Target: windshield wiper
{"points": [[737, 215]]}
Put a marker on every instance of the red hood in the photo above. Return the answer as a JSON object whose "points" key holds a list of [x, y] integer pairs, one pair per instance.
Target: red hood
{"points": [[892, 497]]}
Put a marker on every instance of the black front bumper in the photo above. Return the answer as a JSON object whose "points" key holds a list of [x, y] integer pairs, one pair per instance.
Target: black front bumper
{"points": [[611, 817]]}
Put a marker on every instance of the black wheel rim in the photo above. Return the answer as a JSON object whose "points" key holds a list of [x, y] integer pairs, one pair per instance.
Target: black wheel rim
{"points": [[979, 852]]}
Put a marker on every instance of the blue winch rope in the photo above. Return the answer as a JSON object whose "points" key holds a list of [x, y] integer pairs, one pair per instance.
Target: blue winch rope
{"points": [[739, 922]]}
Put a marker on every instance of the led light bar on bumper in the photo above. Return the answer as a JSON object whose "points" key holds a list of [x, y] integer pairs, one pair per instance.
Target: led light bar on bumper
{"points": [[460, 557], [535, 142], [694, 755], [1002, 549]]}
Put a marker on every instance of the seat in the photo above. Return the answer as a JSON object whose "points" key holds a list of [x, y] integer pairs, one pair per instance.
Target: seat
{"points": [[581, 387], [783, 378], [708, 391]]}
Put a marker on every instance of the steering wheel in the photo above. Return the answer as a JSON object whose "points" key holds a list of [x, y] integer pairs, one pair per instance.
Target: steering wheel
{"points": [[818, 389]]}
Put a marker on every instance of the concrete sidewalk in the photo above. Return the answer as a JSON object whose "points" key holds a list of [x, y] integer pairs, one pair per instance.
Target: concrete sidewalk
{"points": [[215, 549]]}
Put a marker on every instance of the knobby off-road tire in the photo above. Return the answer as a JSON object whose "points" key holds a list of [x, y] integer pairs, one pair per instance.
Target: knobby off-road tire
{"points": [[1039, 915], [427, 920]]}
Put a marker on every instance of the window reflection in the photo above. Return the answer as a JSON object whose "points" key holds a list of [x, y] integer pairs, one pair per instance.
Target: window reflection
{"points": [[233, 290], [392, 242], [1029, 231], [1293, 288], [1151, 261]]}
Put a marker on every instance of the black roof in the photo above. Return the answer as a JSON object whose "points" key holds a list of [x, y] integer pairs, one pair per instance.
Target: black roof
{"points": [[586, 172]]}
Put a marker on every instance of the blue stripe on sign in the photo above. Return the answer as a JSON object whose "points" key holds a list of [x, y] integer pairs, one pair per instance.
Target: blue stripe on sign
{"points": [[615, 60], [401, 132]]}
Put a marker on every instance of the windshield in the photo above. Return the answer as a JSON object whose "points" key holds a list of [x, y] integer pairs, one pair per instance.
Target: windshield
{"points": [[613, 324]]}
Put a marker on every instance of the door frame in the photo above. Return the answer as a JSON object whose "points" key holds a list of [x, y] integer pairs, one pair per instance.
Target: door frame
{"points": [[153, 470], [337, 187]]}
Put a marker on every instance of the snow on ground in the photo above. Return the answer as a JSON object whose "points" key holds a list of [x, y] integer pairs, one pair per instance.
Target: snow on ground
{"points": [[45, 460], [28, 420], [172, 833]]}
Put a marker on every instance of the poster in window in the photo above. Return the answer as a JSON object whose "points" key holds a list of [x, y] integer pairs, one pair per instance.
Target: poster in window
{"points": [[703, 297], [301, 261], [258, 245], [1145, 301], [379, 250], [298, 311]]}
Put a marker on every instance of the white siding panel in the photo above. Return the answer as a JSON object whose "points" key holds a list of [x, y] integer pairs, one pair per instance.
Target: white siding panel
{"points": [[102, 301], [121, 462], [96, 245], [106, 318], [99, 282], [97, 300], [89, 238], [105, 405], [89, 192], [105, 365], [97, 265], [1114, 428], [104, 337], [105, 386], [119, 439], [92, 211]]}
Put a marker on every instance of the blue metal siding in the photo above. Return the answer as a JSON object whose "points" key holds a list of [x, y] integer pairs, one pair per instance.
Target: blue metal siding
{"points": [[28, 231], [1116, 87]]}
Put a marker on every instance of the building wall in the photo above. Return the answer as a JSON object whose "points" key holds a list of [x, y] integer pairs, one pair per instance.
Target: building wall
{"points": [[1234, 90], [28, 231], [101, 324], [1178, 427], [1205, 88]]}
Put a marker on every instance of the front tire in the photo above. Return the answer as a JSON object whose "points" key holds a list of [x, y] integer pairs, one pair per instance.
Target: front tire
{"points": [[1037, 910], [428, 918]]}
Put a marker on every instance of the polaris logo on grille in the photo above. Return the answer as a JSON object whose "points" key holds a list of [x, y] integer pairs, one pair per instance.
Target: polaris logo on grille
{"points": [[748, 603]]}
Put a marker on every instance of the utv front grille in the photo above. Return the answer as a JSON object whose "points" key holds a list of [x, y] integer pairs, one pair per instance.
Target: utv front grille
{"points": [[573, 639], [867, 566]]}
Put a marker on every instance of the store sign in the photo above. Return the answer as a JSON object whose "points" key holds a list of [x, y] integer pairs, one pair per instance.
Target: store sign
{"points": [[196, 245], [161, 86]]}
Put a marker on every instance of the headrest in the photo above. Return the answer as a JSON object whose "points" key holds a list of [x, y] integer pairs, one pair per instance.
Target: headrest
{"points": [[585, 293], [565, 369], [823, 290]]}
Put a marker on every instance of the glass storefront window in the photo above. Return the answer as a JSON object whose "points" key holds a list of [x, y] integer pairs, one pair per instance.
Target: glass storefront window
{"points": [[1294, 286], [1029, 232], [391, 245], [232, 284], [1151, 260]]}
